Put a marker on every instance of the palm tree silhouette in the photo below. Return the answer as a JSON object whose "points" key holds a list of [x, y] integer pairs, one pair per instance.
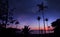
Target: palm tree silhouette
{"points": [[42, 8], [4, 12], [39, 23], [46, 22], [26, 31]]}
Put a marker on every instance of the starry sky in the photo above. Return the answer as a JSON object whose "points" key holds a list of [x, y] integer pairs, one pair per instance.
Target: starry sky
{"points": [[26, 12]]}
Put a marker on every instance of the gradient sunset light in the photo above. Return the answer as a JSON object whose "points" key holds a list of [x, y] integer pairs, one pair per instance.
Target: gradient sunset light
{"points": [[26, 12]]}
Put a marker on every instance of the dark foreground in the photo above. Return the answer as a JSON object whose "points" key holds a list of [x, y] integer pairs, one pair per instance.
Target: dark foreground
{"points": [[11, 33], [31, 35]]}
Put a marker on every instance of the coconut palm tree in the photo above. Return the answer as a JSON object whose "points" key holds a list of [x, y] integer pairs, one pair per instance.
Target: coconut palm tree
{"points": [[42, 8], [46, 22], [39, 23], [26, 31]]}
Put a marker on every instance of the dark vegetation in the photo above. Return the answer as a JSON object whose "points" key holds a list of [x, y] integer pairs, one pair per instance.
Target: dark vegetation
{"points": [[25, 32], [56, 25], [6, 19]]}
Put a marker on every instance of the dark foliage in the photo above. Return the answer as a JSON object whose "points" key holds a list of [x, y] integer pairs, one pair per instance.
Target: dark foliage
{"points": [[26, 31], [56, 25]]}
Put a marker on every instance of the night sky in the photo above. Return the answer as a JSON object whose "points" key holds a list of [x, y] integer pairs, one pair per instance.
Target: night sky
{"points": [[27, 11]]}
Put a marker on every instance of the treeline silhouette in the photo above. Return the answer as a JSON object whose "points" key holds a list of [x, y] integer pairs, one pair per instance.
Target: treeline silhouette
{"points": [[6, 18], [13, 32], [26, 32], [56, 25]]}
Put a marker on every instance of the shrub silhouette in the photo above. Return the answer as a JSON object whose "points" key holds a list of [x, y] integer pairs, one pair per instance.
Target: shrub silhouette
{"points": [[26, 31], [56, 25]]}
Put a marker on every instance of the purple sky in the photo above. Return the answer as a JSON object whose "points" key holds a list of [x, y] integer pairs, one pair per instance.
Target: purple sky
{"points": [[27, 12]]}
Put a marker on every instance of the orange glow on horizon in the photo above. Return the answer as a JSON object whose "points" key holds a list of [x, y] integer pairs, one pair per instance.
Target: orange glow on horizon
{"points": [[33, 28], [46, 28]]}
